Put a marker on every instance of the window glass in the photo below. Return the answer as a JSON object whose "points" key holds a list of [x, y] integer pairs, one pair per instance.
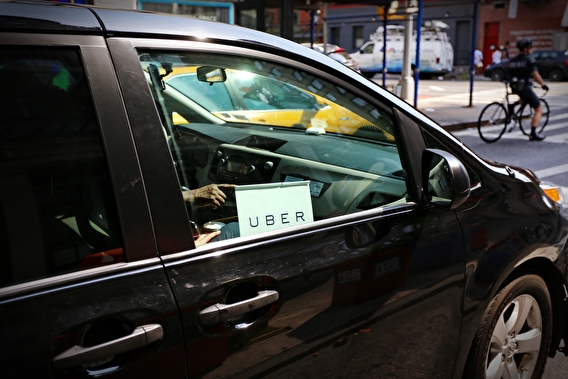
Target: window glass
{"points": [[368, 48], [358, 36], [434, 143], [259, 146], [57, 211]]}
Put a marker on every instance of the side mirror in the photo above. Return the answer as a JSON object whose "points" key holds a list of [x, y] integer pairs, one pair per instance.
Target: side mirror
{"points": [[445, 180], [210, 74]]}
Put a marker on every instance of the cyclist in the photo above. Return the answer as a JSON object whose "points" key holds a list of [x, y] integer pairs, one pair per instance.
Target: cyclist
{"points": [[522, 69]]}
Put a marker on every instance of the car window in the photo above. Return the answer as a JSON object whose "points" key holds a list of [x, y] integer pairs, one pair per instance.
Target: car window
{"points": [[270, 136], [57, 210], [433, 142], [368, 49]]}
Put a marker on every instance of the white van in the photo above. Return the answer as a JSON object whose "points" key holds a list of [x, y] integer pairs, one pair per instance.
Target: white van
{"points": [[436, 52]]}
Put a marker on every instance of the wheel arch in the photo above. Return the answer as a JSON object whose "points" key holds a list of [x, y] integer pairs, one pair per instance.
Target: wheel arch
{"points": [[557, 288], [497, 74]]}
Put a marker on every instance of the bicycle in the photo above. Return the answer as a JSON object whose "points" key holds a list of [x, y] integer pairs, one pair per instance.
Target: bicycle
{"points": [[497, 117]]}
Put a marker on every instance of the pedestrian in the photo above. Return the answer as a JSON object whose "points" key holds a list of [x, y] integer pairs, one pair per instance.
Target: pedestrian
{"points": [[478, 61], [496, 56], [505, 50], [522, 70]]}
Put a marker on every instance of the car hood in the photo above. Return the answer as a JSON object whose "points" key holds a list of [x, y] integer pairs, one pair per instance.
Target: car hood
{"points": [[519, 172]]}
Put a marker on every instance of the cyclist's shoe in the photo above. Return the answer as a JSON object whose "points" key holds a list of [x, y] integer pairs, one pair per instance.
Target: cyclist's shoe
{"points": [[534, 136], [510, 126]]}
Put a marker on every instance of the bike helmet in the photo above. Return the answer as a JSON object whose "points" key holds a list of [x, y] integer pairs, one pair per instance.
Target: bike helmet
{"points": [[523, 43]]}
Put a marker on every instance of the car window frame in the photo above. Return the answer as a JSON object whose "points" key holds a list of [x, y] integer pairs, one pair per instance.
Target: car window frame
{"points": [[129, 70], [123, 169]]}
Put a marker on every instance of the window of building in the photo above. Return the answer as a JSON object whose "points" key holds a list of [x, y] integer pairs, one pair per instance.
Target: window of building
{"points": [[358, 37], [335, 36], [220, 12]]}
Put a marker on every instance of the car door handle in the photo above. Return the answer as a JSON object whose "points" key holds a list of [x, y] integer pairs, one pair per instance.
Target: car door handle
{"points": [[78, 355], [220, 312]]}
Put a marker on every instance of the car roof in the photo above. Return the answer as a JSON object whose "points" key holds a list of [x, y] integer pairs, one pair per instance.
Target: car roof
{"points": [[42, 17]]}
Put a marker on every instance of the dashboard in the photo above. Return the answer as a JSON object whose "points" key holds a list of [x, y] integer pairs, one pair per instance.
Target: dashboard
{"points": [[344, 177]]}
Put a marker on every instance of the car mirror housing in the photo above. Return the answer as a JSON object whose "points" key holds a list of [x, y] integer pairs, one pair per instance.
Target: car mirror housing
{"points": [[445, 180], [211, 74]]}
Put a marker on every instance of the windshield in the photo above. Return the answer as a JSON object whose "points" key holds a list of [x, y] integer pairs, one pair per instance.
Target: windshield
{"points": [[260, 93]]}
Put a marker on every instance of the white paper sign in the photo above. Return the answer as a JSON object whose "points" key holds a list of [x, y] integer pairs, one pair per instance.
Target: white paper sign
{"points": [[273, 206]]}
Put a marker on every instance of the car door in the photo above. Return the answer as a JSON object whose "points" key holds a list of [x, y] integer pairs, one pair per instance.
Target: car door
{"points": [[82, 291], [373, 277]]}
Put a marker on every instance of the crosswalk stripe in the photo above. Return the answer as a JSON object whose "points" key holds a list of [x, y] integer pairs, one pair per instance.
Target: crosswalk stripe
{"points": [[551, 171], [517, 134]]}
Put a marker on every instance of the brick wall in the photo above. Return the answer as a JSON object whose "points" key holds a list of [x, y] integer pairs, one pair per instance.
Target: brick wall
{"points": [[537, 20]]}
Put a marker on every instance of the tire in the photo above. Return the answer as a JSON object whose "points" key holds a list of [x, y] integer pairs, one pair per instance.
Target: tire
{"points": [[368, 75], [526, 117], [515, 334], [497, 75], [492, 122], [556, 75]]}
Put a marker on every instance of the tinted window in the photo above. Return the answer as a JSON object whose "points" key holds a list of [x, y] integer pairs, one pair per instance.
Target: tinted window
{"points": [[261, 126], [57, 209]]}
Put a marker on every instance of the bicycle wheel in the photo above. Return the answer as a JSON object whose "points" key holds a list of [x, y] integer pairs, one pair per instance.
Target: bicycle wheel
{"points": [[526, 115], [492, 122]]}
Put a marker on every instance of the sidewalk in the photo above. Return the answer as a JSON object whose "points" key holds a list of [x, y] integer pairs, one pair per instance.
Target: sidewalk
{"points": [[451, 109]]}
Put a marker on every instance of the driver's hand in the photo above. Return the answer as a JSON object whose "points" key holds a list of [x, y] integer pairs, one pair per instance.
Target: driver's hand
{"points": [[205, 238], [211, 194]]}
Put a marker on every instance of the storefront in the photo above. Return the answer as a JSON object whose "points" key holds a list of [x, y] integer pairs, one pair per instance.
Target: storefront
{"points": [[205, 10]]}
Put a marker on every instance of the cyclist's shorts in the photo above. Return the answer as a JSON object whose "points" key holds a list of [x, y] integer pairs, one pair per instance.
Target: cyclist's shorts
{"points": [[530, 97]]}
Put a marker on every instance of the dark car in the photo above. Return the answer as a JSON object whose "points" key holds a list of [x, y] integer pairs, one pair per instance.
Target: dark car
{"points": [[551, 64], [145, 234]]}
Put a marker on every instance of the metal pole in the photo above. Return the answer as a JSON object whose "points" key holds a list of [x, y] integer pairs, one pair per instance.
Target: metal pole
{"points": [[417, 62], [473, 47], [407, 79], [312, 28], [385, 22], [324, 17]]}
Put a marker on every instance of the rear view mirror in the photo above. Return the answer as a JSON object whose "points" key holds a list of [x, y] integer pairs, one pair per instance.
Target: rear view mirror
{"points": [[445, 180], [210, 74]]}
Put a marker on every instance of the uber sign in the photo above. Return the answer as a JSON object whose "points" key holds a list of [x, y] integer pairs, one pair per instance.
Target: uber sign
{"points": [[273, 206]]}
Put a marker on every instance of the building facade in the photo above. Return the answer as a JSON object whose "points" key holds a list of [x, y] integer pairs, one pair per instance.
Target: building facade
{"points": [[349, 25], [545, 22]]}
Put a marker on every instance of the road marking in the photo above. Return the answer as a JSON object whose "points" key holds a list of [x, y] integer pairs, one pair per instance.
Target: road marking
{"points": [[517, 134], [436, 88], [551, 171]]}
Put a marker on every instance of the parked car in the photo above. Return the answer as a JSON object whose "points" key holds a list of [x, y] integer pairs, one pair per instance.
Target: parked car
{"points": [[551, 64], [337, 53], [146, 235]]}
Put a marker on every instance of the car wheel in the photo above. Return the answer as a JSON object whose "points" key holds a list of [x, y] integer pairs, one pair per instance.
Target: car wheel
{"points": [[368, 74], [514, 336], [497, 75], [556, 75]]}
